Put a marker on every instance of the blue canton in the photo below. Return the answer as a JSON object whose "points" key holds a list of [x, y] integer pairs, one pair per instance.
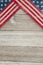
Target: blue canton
{"points": [[4, 3], [38, 3]]}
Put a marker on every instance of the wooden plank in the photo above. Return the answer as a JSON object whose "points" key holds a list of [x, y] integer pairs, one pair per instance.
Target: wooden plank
{"points": [[21, 53], [21, 38], [19, 63]]}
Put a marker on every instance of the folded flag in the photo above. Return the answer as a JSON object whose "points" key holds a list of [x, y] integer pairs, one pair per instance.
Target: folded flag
{"points": [[7, 9], [34, 8]]}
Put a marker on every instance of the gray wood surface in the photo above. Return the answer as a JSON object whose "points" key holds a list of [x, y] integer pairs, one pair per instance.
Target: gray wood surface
{"points": [[21, 53], [21, 39], [19, 63]]}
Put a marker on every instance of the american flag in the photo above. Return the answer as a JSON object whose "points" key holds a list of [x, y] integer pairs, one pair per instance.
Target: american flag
{"points": [[34, 8], [7, 9]]}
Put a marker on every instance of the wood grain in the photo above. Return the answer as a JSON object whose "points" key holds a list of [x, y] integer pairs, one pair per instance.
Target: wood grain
{"points": [[19, 63], [21, 53], [21, 39]]}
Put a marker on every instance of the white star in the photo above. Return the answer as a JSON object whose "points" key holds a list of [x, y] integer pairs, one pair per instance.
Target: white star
{"points": [[5, 0], [37, 1], [37, 5], [42, 6], [41, 2], [9, 0], [1, 4], [5, 4], [0, 8], [42, 10], [33, 1], [1, 0]]}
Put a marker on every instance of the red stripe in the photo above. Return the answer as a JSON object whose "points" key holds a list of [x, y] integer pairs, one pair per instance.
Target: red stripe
{"points": [[28, 9], [32, 18], [6, 7], [9, 12], [29, 14], [31, 11], [10, 16], [33, 8], [6, 10]]}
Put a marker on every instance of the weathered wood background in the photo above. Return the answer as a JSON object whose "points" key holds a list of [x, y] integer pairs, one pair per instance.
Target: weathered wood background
{"points": [[19, 63], [21, 40]]}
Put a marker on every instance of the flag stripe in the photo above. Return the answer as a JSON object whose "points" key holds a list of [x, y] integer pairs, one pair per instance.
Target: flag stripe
{"points": [[6, 8], [27, 6], [29, 3], [15, 9], [30, 13], [7, 12]]}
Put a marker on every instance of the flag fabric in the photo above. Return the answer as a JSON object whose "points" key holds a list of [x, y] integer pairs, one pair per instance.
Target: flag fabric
{"points": [[38, 3], [34, 8], [7, 9]]}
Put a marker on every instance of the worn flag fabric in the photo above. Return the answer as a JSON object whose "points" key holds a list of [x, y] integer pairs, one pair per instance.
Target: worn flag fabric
{"points": [[7, 9], [34, 8], [39, 4]]}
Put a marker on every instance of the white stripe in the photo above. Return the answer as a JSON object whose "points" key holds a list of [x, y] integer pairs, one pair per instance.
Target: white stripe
{"points": [[6, 8], [32, 11], [9, 14], [34, 8], [29, 12]]}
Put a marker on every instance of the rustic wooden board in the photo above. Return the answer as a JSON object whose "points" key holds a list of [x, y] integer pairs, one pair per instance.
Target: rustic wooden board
{"points": [[21, 53], [21, 40], [19, 63]]}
